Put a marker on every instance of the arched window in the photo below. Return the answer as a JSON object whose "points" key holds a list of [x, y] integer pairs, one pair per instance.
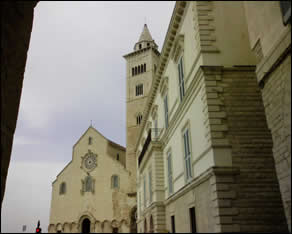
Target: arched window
{"points": [[140, 46], [144, 67], [133, 71], [89, 140], [88, 184], [148, 44], [115, 181], [139, 119], [136, 70], [62, 188], [118, 157]]}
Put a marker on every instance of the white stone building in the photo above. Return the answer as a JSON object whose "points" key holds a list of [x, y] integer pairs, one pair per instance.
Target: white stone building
{"points": [[204, 152]]}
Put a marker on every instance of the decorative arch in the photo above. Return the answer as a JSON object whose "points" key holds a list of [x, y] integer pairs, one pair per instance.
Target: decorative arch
{"points": [[82, 217], [106, 226], [115, 224], [59, 227], [52, 228], [97, 227], [74, 228], [66, 227]]}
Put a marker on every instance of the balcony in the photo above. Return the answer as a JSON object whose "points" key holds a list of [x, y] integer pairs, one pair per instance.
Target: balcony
{"points": [[153, 135]]}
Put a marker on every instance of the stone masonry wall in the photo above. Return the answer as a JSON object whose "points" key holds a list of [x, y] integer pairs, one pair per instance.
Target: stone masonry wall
{"points": [[251, 201], [277, 102]]}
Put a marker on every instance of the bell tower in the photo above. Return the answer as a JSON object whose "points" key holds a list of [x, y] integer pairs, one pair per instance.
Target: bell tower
{"points": [[141, 66]]}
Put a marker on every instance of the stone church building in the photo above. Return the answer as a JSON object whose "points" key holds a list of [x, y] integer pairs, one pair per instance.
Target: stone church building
{"points": [[205, 150], [91, 194]]}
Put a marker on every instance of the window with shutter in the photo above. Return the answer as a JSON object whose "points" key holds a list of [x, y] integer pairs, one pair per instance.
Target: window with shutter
{"points": [[166, 111], [187, 155], [169, 172], [181, 79]]}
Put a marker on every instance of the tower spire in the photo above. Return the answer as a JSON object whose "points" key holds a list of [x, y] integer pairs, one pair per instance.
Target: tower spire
{"points": [[145, 39]]}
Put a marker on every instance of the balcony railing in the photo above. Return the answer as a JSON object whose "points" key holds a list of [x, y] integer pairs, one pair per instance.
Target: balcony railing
{"points": [[153, 135]]}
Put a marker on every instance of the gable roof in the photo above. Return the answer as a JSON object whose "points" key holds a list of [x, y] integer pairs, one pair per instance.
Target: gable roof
{"points": [[110, 142]]}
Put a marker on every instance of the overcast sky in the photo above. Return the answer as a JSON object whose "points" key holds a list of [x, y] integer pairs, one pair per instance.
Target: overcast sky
{"points": [[74, 73]]}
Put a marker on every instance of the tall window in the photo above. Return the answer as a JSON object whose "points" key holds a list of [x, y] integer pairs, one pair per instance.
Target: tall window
{"points": [[133, 71], [144, 67], [115, 181], [144, 190], [139, 119], [169, 173], [187, 155], [136, 70], [166, 111], [139, 89], [89, 140], [139, 69], [118, 157], [62, 188], [140, 46], [193, 220], [88, 184], [150, 185], [172, 223], [181, 79]]}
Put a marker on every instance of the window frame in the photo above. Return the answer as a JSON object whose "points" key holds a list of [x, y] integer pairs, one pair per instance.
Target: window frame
{"points": [[62, 188], [169, 173], [113, 182], [188, 170], [139, 89], [181, 79], [193, 219], [166, 117]]}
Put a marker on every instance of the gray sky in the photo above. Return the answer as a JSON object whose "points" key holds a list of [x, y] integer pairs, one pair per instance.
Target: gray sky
{"points": [[74, 62]]}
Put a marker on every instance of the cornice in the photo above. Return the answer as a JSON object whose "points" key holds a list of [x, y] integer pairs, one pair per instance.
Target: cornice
{"points": [[173, 27]]}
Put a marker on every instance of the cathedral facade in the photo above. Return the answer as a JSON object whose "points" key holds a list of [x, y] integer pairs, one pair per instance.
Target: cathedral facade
{"points": [[92, 192]]}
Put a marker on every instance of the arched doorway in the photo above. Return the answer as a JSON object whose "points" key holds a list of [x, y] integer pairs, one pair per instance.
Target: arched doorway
{"points": [[86, 226]]}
